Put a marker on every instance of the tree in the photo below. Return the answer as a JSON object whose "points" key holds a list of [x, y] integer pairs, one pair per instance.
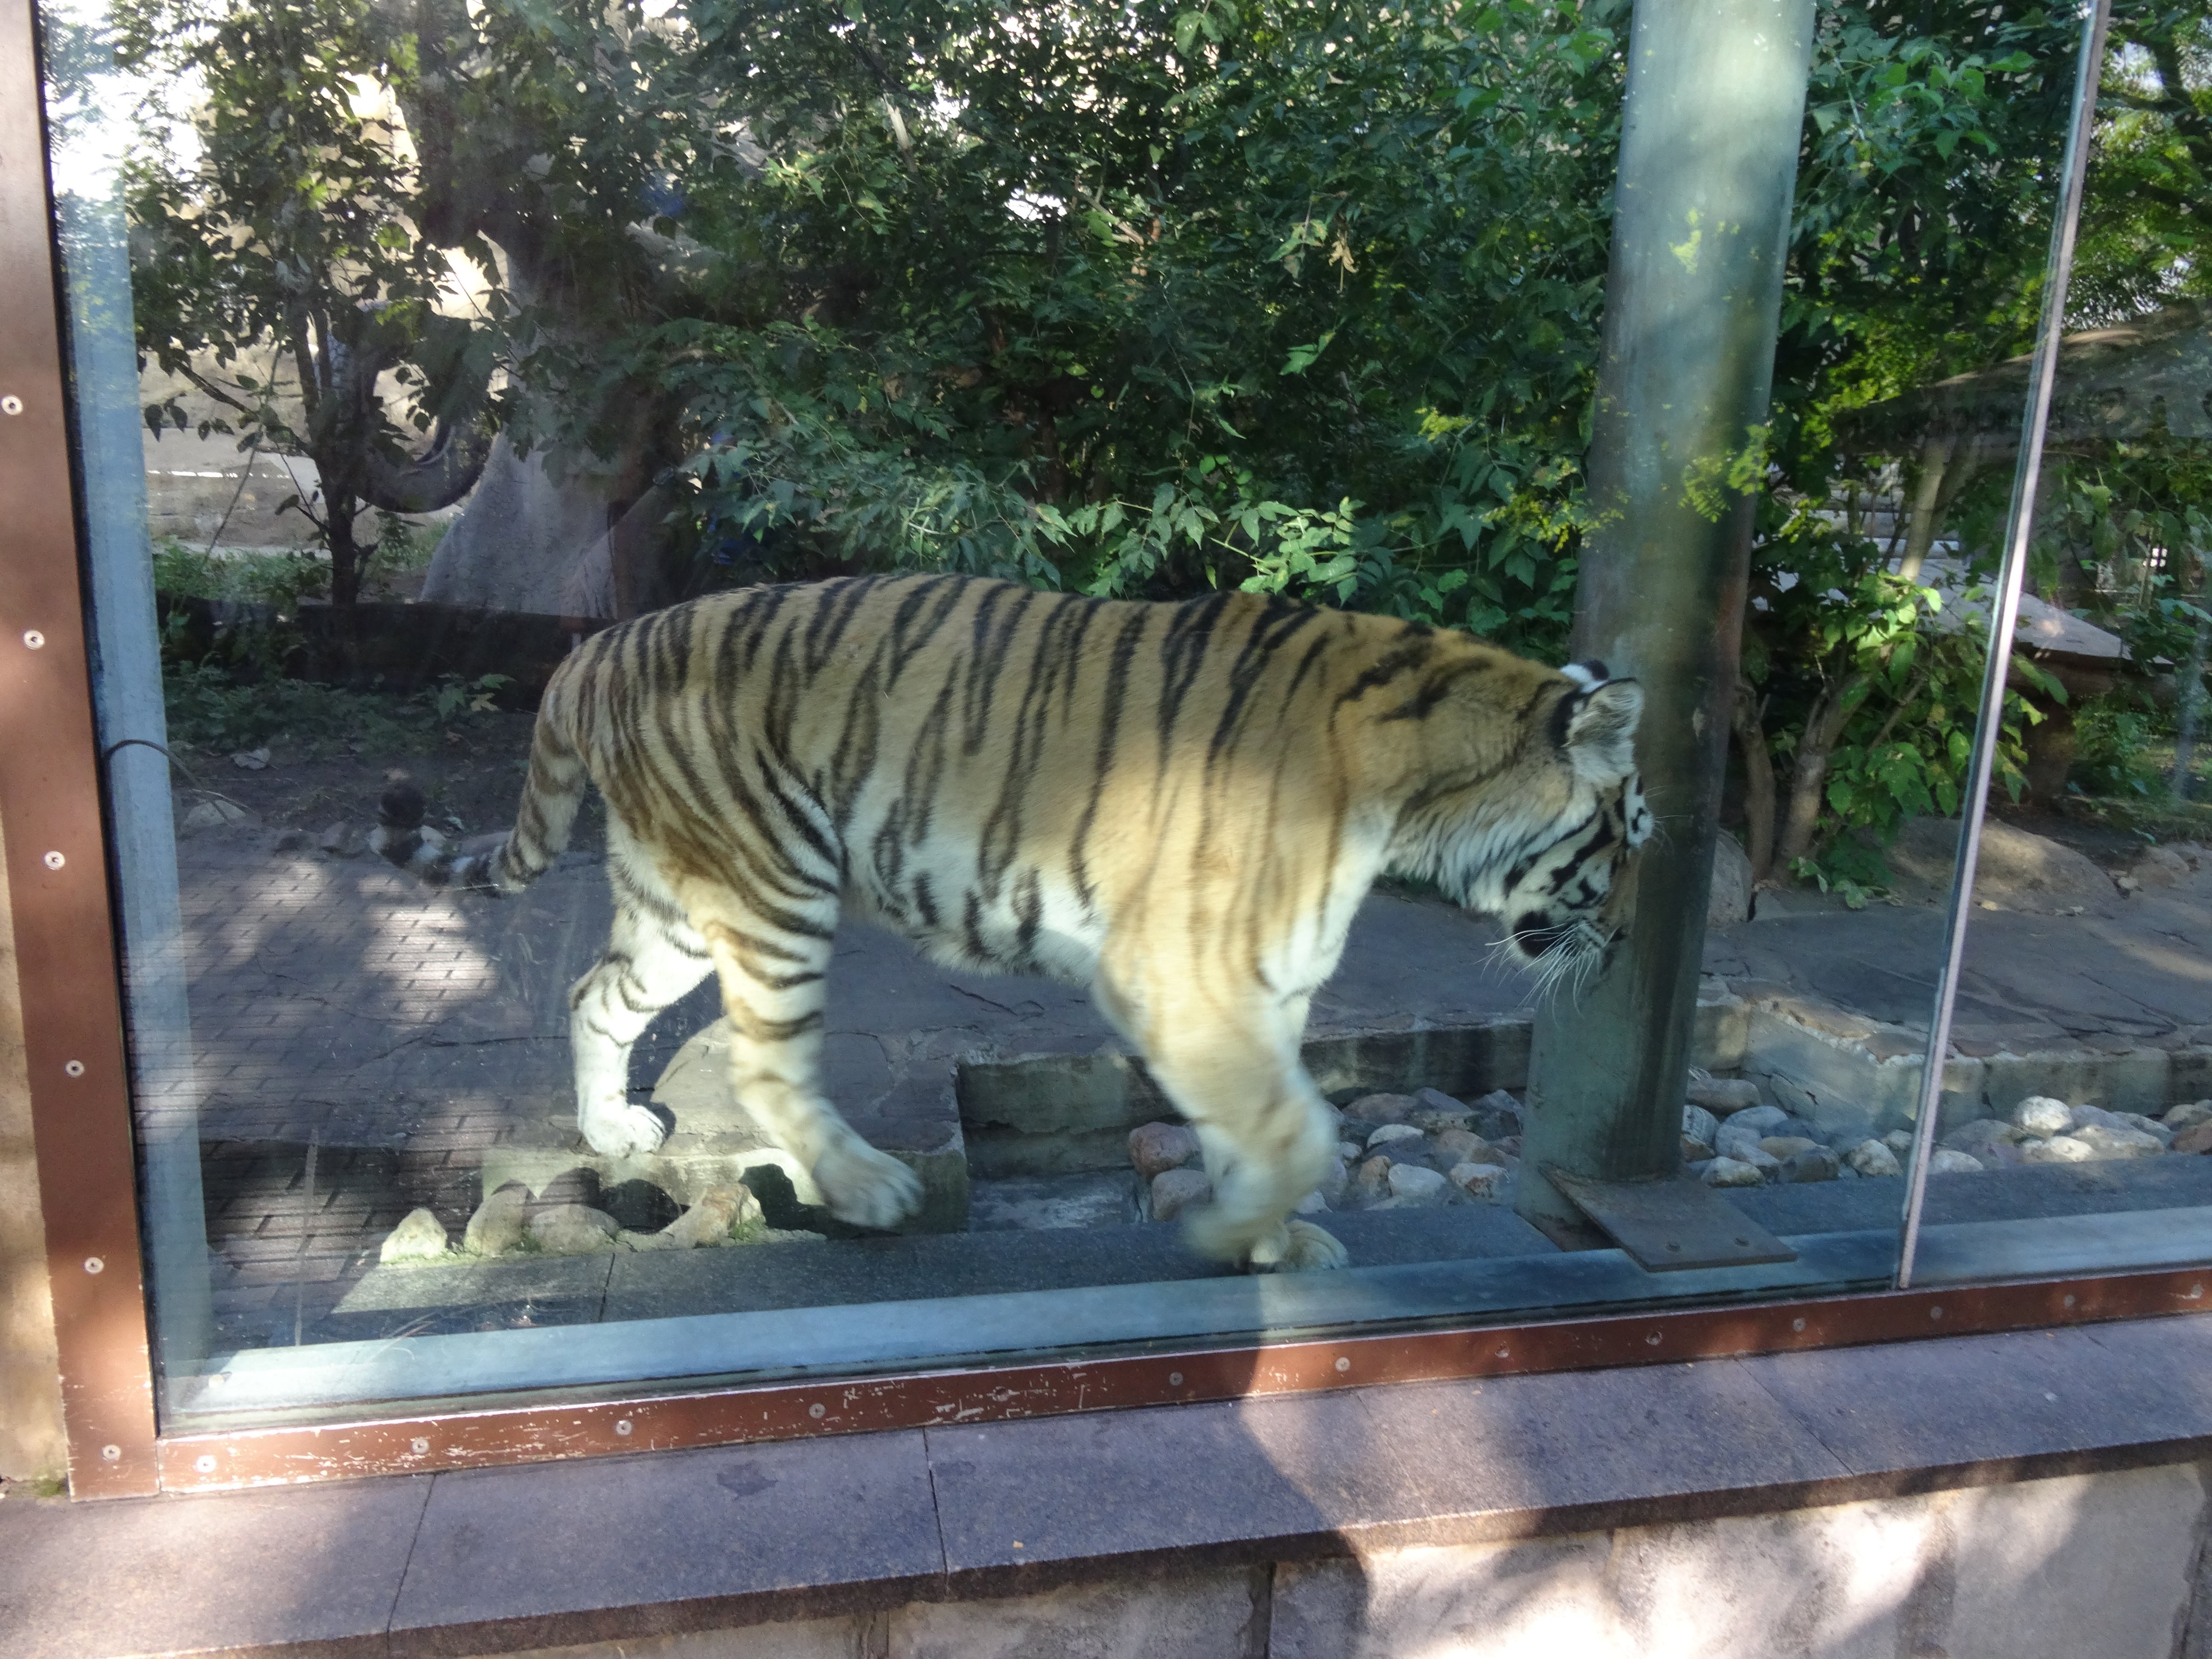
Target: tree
{"points": [[279, 271]]}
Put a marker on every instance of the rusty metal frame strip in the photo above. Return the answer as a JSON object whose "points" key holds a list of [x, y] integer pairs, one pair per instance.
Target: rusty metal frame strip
{"points": [[466, 1439], [56, 843]]}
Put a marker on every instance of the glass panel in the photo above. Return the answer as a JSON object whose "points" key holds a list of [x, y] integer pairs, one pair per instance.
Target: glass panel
{"points": [[2091, 919], [471, 337]]}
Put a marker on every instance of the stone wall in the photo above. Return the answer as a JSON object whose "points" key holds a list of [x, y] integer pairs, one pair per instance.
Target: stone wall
{"points": [[2110, 1566], [31, 1444]]}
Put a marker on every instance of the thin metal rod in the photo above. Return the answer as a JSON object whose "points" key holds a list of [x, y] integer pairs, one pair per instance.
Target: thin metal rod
{"points": [[2004, 615]]}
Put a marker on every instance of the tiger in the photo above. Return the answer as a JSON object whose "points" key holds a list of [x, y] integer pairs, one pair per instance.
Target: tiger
{"points": [[1178, 805]]}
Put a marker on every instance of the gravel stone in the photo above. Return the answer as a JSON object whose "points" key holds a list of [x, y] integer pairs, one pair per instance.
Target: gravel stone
{"points": [[1496, 1116], [1872, 1157], [1765, 1118], [419, 1237], [1338, 1178], [1380, 1108], [2087, 1116], [2059, 1149], [572, 1230], [2188, 1117], [1154, 1148], [1698, 1124], [1731, 1172], [1722, 1096], [1409, 1182], [1373, 1180], [1175, 1191], [1478, 1180], [2197, 1137], [496, 1227], [1390, 1132], [1786, 1147], [2039, 1115], [1814, 1163], [2109, 1144], [1434, 1111], [1898, 1141], [1948, 1162], [1461, 1146]]}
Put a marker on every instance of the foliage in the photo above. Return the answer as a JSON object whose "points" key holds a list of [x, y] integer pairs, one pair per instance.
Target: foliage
{"points": [[278, 577]]}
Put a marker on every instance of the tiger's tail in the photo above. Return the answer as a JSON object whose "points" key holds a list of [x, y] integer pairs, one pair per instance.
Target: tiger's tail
{"points": [[543, 819]]}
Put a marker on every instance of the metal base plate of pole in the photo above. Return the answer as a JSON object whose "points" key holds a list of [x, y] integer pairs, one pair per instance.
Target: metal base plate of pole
{"points": [[1668, 1226]]}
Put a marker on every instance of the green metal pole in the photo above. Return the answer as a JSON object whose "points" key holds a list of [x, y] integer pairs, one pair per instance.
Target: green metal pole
{"points": [[1715, 98]]}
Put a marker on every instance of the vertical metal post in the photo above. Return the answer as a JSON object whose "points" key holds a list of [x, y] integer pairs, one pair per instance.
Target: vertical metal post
{"points": [[1715, 100], [2019, 524]]}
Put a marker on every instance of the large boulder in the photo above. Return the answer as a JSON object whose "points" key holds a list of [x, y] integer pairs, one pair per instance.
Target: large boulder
{"points": [[2018, 869]]}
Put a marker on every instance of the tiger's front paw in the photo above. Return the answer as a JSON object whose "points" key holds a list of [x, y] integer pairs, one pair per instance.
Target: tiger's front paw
{"points": [[1305, 1249], [865, 1187], [617, 1128]]}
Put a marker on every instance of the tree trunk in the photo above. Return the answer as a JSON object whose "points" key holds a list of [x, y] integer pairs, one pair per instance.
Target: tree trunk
{"points": [[1808, 779], [339, 511], [1757, 781]]}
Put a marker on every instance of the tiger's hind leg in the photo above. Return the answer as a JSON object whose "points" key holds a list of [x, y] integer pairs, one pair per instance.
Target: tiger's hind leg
{"points": [[653, 958], [1266, 1133], [774, 962]]}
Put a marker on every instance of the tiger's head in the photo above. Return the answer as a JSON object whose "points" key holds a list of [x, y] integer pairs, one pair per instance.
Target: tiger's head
{"points": [[1544, 834]]}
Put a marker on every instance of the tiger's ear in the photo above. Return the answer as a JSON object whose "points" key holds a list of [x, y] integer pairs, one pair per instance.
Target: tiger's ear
{"points": [[1601, 736]]}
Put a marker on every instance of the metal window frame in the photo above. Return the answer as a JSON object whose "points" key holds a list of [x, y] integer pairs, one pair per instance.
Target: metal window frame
{"points": [[57, 863]]}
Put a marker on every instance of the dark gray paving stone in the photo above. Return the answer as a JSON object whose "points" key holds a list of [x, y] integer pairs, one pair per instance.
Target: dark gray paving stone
{"points": [[1592, 1448], [2024, 1400], [1272, 1472], [316, 1566], [562, 1553]]}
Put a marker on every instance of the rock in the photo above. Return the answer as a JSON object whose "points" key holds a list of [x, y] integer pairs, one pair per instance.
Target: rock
{"points": [[2085, 1116], [1698, 1124], [434, 838], [2197, 1138], [1461, 1146], [1485, 1181], [1390, 1132], [216, 813], [1720, 1095], [1496, 1116], [496, 1227], [1696, 1152], [2017, 870], [1987, 1140], [2108, 1144], [1175, 1191], [1349, 1151], [1373, 1180], [1814, 1163], [1786, 1147], [1872, 1157], [1312, 1204], [251, 760], [1729, 901], [1380, 1108], [2059, 1149], [1731, 1172], [1435, 1111], [1157, 1147], [2039, 1115], [719, 1211], [2188, 1117], [1898, 1141], [341, 840], [1765, 1118], [419, 1237], [572, 1230], [290, 840], [1732, 1142], [1948, 1162], [1411, 1183], [1338, 1177], [2159, 866], [1509, 1145], [1759, 1159]]}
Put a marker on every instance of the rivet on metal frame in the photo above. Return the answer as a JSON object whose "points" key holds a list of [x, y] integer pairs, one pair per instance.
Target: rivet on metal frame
{"points": [[818, 1410], [418, 1445], [203, 1464], [1652, 1341], [1175, 1379], [1935, 1313], [92, 1264], [53, 860], [11, 404], [2069, 1299], [622, 1427], [1796, 1324], [1343, 1364], [34, 639], [111, 1453], [73, 1067]]}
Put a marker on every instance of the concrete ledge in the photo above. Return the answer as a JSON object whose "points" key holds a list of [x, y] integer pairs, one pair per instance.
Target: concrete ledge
{"points": [[647, 1548]]}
